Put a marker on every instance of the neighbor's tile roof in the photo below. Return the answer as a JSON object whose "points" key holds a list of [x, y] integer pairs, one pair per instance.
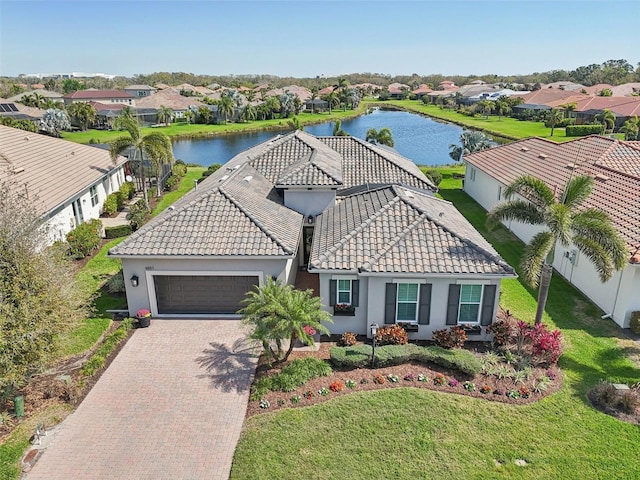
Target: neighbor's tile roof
{"points": [[234, 213], [169, 98], [614, 164], [98, 94], [364, 163], [399, 230], [54, 170]]}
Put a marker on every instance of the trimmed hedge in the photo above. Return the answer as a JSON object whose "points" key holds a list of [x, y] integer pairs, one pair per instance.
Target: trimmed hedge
{"points": [[110, 204], [583, 130], [117, 232], [359, 356], [84, 239]]}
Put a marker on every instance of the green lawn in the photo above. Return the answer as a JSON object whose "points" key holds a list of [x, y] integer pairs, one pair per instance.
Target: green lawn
{"points": [[186, 184], [413, 433], [184, 130]]}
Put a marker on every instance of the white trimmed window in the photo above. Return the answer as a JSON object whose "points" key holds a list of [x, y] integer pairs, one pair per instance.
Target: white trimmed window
{"points": [[343, 293], [470, 304], [407, 302], [93, 191]]}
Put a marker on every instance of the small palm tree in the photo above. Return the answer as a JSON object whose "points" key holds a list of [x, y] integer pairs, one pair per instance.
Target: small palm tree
{"points": [[226, 107], [165, 115], [248, 113], [472, 141], [84, 113], [630, 129], [606, 118], [156, 146], [564, 221], [277, 312], [555, 116], [383, 137]]}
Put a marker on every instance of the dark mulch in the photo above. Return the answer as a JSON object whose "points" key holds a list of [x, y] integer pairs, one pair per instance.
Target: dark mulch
{"points": [[401, 371]]}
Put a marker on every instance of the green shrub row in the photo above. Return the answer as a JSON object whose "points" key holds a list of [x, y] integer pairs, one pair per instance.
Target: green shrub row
{"points": [[138, 214], [84, 239], [97, 360], [118, 231], [110, 205], [295, 374], [359, 356], [127, 190], [582, 130], [565, 122]]}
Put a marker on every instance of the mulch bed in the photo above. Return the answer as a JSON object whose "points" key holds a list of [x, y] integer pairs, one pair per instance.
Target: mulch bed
{"points": [[280, 400]]}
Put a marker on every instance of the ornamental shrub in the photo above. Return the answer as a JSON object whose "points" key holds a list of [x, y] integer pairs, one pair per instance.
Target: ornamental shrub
{"points": [[434, 175], [84, 239], [138, 214], [452, 338], [110, 206], [118, 231], [583, 130], [391, 335], [503, 331], [179, 170], [347, 339]]}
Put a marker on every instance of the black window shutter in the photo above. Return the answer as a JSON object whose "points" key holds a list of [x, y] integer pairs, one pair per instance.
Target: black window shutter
{"points": [[453, 304], [333, 292], [424, 312], [355, 292], [488, 302], [390, 303]]}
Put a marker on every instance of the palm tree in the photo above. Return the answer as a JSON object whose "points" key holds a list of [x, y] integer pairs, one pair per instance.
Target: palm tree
{"points": [[383, 137], [188, 115], [84, 113], [225, 107], [630, 129], [606, 118], [337, 130], [472, 141], [314, 95], [156, 146], [565, 221], [487, 106], [248, 113], [332, 99], [554, 117], [569, 108], [277, 312], [165, 115], [250, 95]]}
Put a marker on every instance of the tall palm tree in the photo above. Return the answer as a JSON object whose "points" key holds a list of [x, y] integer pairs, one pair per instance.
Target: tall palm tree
{"points": [[226, 107], [248, 113], [156, 146], [569, 108], [606, 118], [165, 115], [314, 95], [565, 221], [277, 312], [84, 113], [630, 128], [487, 106]]}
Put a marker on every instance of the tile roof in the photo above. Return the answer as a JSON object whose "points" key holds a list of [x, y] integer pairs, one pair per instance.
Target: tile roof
{"points": [[238, 211], [97, 94], [230, 214], [546, 95], [170, 98], [614, 164], [53, 169], [399, 230], [365, 163]]}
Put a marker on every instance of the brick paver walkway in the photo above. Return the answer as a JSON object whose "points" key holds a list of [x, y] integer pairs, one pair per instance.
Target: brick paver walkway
{"points": [[170, 406]]}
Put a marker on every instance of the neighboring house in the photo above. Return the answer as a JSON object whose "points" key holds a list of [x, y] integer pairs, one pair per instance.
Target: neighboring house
{"points": [[18, 111], [303, 93], [421, 91], [398, 90], [100, 96], [169, 98], [107, 113], [48, 94], [359, 220], [140, 91], [447, 85], [615, 166], [68, 182]]}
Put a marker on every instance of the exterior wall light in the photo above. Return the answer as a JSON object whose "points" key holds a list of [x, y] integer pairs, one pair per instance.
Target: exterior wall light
{"points": [[134, 281]]}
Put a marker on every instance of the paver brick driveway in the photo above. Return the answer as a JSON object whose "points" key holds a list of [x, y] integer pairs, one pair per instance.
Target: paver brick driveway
{"points": [[170, 406]]}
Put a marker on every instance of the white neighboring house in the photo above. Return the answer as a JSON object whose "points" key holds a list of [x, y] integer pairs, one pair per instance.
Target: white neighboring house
{"points": [[615, 166], [69, 182], [363, 221]]}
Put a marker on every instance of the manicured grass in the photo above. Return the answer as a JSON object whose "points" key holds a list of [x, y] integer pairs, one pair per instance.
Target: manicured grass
{"points": [[505, 127], [405, 433], [186, 184], [185, 130]]}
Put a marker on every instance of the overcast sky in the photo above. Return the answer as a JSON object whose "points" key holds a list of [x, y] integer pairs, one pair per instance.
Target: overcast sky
{"points": [[311, 38]]}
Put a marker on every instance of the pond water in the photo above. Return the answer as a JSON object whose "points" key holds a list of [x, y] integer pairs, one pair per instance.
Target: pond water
{"points": [[419, 138]]}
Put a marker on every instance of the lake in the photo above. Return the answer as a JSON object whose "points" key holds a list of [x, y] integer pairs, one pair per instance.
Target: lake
{"points": [[419, 138]]}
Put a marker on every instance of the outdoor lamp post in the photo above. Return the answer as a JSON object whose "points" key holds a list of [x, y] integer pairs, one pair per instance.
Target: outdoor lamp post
{"points": [[374, 330]]}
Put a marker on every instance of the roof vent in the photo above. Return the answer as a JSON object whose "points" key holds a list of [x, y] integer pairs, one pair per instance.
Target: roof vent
{"points": [[441, 214], [224, 178], [602, 177], [542, 155], [570, 166], [236, 167], [18, 170], [524, 149], [171, 208], [408, 193], [247, 178]]}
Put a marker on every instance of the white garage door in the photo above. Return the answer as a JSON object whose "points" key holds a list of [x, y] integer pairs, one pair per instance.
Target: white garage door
{"points": [[201, 294]]}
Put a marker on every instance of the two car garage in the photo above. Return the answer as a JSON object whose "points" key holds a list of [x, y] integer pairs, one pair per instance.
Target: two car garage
{"points": [[201, 294]]}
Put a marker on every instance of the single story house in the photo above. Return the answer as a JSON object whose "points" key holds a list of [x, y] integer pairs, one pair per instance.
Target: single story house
{"points": [[68, 182], [615, 166], [358, 221]]}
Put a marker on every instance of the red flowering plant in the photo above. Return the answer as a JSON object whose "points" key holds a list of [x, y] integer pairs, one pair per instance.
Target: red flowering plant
{"points": [[143, 313], [336, 387], [342, 307], [309, 330]]}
